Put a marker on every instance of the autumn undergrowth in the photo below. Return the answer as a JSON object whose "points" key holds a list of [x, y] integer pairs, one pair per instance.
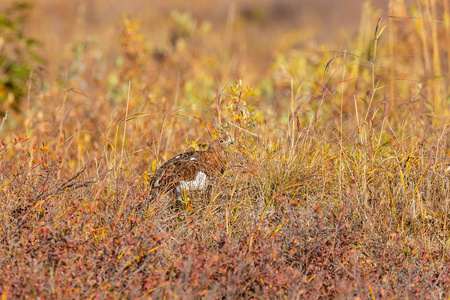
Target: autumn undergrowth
{"points": [[337, 184]]}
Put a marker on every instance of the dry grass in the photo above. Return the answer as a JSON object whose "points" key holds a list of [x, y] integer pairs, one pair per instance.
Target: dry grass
{"points": [[338, 185]]}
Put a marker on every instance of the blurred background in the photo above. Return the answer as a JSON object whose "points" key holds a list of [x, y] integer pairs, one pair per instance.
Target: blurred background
{"points": [[253, 30]]}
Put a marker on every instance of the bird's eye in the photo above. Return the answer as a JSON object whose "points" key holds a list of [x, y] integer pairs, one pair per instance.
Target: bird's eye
{"points": [[221, 141]]}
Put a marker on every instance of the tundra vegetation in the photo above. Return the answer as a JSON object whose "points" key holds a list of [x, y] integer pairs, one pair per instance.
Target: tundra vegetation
{"points": [[337, 184]]}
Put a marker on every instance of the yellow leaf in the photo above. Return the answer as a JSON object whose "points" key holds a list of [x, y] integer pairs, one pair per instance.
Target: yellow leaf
{"points": [[44, 149], [5, 293]]}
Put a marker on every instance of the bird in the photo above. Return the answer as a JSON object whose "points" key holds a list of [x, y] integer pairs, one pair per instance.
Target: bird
{"points": [[191, 171]]}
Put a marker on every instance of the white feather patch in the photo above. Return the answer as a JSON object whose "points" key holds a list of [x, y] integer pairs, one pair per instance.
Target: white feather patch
{"points": [[199, 183]]}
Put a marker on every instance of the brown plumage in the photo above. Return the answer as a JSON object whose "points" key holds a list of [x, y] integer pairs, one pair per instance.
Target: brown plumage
{"points": [[194, 170]]}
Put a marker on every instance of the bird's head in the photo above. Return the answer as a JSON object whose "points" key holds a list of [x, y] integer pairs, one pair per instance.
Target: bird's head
{"points": [[220, 143]]}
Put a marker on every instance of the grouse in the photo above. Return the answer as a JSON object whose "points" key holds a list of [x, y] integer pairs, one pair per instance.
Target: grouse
{"points": [[191, 171]]}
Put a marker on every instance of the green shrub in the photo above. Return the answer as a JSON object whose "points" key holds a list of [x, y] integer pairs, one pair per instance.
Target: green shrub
{"points": [[17, 56]]}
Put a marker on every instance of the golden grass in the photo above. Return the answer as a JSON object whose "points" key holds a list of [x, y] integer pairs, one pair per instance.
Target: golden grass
{"points": [[337, 185]]}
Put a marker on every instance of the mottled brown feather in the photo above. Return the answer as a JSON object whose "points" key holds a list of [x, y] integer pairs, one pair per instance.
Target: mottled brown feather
{"points": [[185, 167]]}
